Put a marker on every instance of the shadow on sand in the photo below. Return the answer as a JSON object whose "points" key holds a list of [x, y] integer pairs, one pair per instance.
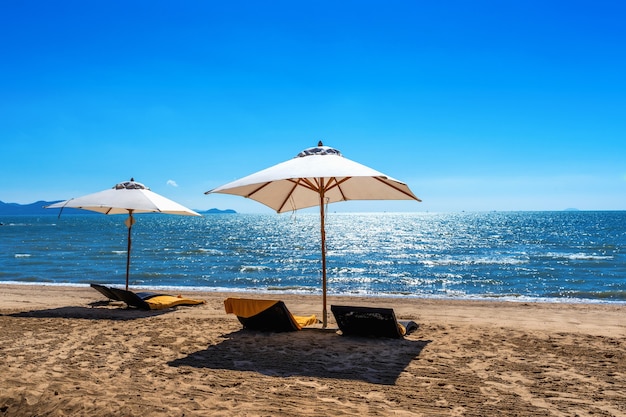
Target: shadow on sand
{"points": [[99, 310], [311, 353]]}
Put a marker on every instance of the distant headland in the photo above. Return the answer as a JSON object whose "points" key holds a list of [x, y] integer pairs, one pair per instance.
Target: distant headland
{"points": [[37, 208], [217, 211]]}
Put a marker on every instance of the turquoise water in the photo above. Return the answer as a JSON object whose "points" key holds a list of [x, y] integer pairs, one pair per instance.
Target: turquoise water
{"points": [[554, 256]]}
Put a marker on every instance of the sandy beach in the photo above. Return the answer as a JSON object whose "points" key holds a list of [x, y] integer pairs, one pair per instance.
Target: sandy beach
{"points": [[65, 351]]}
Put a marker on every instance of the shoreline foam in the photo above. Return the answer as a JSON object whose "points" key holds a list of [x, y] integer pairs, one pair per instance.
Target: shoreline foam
{"points": [[316, 293]]}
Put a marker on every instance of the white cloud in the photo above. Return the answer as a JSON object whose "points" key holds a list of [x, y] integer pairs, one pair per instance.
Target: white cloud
{"points": [[172, 183]]}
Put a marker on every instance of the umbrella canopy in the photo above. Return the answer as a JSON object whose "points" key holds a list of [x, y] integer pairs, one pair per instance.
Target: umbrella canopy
{"points": [[315, 177], [130, 198]]}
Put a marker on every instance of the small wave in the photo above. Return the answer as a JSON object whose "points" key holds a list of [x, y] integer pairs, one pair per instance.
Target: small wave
{"points": [[578, 256], [347, 270], [253, 268], [22, 255], [585, 257], [210, 251], [591, 295], [378, 262], [476, 261]]}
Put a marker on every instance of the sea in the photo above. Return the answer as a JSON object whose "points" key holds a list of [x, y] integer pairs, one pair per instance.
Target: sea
{"points": [[566, 256]]}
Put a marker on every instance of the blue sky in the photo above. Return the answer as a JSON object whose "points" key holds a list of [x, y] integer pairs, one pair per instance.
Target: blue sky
{"points": [[477, 105]]}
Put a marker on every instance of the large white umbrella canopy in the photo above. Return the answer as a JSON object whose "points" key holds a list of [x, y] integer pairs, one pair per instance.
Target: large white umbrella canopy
{"points": [[315, 177], [130, 198]]}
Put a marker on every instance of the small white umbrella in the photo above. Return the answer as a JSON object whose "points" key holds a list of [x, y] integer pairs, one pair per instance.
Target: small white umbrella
{"points": [[315, 177], [130, 198]]}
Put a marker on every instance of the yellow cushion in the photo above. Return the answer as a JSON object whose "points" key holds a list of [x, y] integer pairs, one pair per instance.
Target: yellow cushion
{"points": [[245, 308], [166, 301], [305, 320]]}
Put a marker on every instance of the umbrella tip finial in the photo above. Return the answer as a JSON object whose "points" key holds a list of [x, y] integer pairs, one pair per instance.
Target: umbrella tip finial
{"points": [[320, 143], [132, 179]]}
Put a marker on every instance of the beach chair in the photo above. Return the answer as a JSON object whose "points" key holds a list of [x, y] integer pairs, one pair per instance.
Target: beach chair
{"points": [[145, 300], [266, 315], [371, 321]]}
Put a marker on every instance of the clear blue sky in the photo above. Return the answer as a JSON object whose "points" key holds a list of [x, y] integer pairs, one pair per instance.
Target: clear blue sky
{"points": [[477, 105]]}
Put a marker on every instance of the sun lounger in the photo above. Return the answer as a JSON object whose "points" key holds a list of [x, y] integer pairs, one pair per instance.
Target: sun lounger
{"points": [[145, 300], [266, 315], [370, 321]]}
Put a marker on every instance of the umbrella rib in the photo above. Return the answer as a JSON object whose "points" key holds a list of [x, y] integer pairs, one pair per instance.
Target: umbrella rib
{"points": [[337, 184], [396, 188], [295, 185], [256, 190], [309, 184]]}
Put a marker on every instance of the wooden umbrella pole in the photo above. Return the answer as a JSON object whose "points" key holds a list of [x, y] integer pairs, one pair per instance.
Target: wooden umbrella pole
{"points": [[323, 238], [130, 226]]}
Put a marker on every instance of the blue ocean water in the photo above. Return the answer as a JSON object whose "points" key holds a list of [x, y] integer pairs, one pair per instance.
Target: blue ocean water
{"points": [[552, 256]]}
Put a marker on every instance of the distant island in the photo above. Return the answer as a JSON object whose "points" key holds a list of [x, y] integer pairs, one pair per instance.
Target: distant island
{"points": [[37, 209], [217, 211]]}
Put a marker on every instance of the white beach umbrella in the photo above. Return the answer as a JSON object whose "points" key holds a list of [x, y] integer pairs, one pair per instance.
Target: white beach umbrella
{"points": [[130, 198], [315, 177]]}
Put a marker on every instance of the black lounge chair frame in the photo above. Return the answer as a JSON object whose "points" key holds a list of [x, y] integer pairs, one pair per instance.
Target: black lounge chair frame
{"points": [[276, 318], [370, 321], [132, 299], [106, 291]]}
